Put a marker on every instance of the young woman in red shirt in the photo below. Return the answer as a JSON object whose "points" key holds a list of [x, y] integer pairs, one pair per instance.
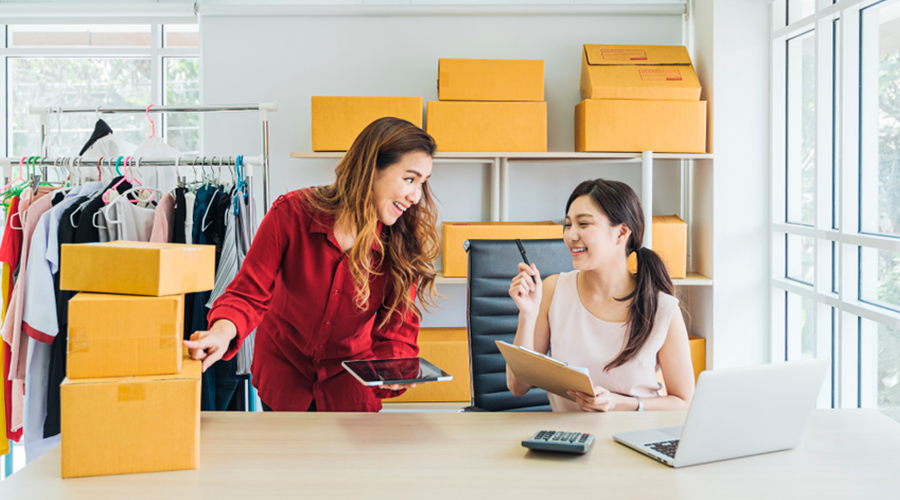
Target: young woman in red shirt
{"points": [[332, 275]]}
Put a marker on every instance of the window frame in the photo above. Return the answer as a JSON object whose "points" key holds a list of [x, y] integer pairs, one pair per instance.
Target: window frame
{"points": [[156, 52], [837, 231]]}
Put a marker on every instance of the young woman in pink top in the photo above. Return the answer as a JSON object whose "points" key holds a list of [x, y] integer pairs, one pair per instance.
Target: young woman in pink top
{"points": [[623, 327]]}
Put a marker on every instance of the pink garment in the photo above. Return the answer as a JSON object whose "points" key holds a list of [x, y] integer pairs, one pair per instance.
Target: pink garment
{"points": [[163, 220], [581, 339], [12, 326]]}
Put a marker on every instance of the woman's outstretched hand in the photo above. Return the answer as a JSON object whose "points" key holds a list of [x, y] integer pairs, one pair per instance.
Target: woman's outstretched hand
{"points": [[211, 345]]}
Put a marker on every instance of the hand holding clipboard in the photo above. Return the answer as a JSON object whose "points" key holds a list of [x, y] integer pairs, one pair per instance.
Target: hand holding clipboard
{"points": [[544, 372]]}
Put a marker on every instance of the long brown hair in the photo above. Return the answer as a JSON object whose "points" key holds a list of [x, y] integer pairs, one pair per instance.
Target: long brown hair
{"points": [[621, 205], [410, 245]]}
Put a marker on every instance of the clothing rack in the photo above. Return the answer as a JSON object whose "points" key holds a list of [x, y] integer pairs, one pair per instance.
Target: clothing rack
{"points": [[247, 162], [262, 108]]}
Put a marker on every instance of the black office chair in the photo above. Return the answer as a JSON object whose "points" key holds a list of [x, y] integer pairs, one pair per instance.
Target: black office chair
{"points": [[492, 315]]}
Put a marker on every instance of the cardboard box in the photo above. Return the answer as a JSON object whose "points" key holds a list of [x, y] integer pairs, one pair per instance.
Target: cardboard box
{"points": [[698, 354], [336, 121], [603, 125], [670, 243], [448, 349], [124, 335], [490, 80], [488, 126], [657, 72], [136, 268], [454, 260], [131, 424]]}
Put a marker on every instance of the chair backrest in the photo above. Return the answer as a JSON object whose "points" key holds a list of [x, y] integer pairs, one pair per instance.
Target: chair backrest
{"points": [[492, 315]]}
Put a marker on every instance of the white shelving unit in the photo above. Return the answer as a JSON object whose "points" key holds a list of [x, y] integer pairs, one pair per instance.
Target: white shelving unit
{"points": [[698, 275]]}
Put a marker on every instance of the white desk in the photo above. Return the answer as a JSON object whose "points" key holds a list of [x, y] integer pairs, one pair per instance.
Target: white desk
{"points": [[845, 454]]}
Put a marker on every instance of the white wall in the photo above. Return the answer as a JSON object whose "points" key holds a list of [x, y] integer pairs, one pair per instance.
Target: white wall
{"points": [[731, 53], [290, 58]]}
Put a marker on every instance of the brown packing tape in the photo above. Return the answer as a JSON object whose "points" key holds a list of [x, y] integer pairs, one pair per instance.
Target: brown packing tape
{"points": [[131, 392], [78, 346], [167, 342]]}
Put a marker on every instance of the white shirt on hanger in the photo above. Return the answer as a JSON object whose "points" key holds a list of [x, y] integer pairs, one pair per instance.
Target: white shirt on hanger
{"points": [[164, 179], [127, 221], [109, 146]]}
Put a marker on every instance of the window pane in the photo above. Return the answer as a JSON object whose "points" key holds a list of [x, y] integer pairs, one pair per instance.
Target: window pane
{"points": [[801, 342], [801, 128], [183, 87], [888, 378], [79, 35], [800, 255], [75, 82], [880, 120], [798, 9], [181, 35], [879, 277], [779, 11], [835, 269]]}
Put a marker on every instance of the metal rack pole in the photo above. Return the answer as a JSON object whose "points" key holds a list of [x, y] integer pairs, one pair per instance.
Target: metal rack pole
{"points": [[263, 108], [198, 161], [273, 106]]}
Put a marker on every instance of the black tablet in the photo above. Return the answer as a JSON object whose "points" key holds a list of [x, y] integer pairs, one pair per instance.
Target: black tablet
{"points": [[375, 372]]}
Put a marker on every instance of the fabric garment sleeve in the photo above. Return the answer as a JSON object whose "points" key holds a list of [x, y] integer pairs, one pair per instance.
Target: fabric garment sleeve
{"points": [[39, 310], [246, 299]]}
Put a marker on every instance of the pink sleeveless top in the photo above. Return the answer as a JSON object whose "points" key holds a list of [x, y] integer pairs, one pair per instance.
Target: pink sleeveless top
{"points": [[581, 339]]}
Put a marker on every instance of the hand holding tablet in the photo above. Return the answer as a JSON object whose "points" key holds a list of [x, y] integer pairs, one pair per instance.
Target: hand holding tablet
{"points": [[404, 371]]}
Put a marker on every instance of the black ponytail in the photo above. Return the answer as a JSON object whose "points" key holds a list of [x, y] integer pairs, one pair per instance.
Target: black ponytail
{"points": [[621, 205]]}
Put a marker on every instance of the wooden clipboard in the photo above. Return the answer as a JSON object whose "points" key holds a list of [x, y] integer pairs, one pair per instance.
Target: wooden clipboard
{"points": [[541, 371]]}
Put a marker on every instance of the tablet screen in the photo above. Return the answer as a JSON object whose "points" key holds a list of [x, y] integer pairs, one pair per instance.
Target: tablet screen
{"points": [[395, 371]]}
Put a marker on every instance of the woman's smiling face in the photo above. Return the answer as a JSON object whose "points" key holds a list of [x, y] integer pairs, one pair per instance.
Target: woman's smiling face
{"points": [[591, 239], [399, 186]]}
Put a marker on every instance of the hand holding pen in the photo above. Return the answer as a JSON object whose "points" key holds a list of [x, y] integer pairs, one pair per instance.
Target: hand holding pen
{"points": [[526, 287]]}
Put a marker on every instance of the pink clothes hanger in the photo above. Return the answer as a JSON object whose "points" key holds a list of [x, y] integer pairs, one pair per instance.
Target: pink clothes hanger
{"points": [[152, 125]]}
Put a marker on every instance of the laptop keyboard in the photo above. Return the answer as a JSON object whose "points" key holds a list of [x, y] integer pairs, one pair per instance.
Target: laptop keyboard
{"points": [[667, 448]]}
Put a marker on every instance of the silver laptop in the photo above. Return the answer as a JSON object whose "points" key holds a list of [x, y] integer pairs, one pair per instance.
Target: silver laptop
{"points": [[737, 412]]}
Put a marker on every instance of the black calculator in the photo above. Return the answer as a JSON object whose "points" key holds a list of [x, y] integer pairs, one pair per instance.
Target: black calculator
{"points": [[566, 442]]}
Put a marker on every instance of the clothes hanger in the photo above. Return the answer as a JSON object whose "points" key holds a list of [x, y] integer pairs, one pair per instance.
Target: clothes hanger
{"points": [[152, 125], [114, 188], [20, 178], [124, 195]]}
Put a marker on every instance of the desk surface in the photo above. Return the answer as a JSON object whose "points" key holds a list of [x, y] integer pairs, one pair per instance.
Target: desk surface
{"points": [[845, 454]]}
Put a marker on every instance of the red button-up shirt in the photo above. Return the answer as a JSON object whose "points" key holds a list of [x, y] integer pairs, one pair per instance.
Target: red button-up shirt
{"points": [[296, 285]]}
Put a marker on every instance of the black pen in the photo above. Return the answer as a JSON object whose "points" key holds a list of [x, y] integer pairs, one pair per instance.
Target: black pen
{"points": [[524, 257]]}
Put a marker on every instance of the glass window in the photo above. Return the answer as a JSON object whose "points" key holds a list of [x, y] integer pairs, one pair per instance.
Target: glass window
{"points": [[79, 35], [887, 378], [801, 331], [74, 82], [880, 119], [801, 129], [798, 9], [879, 277], [182, 86], [835, 267], [181, 35], [800, 258]]}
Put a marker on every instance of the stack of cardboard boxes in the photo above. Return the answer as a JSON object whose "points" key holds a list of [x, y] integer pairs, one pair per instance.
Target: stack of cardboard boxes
{"points": [[131, 399], [337, 120], [639, 98], [488, 105]]}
